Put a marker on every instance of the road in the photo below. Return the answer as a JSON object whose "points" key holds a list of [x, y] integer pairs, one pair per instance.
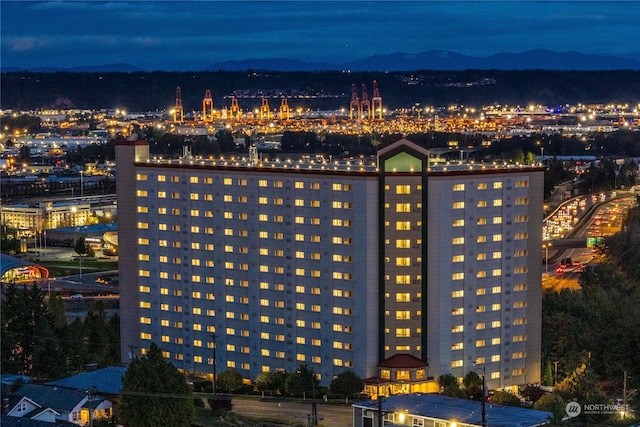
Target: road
{"points": [[604, 221], [330, 414]]}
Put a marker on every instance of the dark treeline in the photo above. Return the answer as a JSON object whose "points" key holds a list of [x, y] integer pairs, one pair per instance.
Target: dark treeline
{"points": [[151, 91], [593, 333], [38, 341]]}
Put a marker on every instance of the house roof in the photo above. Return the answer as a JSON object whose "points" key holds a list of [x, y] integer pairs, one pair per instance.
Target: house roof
{"points": [[463, 411], [40, 410], [11, 379], [7, 421], [57, 398], [106, 380], [403, 361]]}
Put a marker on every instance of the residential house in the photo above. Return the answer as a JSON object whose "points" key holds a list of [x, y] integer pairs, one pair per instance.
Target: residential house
{"points": [[55, 404]]}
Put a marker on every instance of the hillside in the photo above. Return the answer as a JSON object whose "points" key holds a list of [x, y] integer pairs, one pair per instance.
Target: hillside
{"points": [[149, 91]]}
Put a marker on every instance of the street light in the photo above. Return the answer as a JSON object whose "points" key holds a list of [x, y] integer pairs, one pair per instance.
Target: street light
{"points": [[546, 247]]}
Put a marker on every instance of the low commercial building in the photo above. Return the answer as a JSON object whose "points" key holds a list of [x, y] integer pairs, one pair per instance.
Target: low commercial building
{"points": [[433, 410]]}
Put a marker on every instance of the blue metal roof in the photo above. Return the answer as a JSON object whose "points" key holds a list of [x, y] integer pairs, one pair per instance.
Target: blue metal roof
{"points": [[106, 380], [460, 410]]}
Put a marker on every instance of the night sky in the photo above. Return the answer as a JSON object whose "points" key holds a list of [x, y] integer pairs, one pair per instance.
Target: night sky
{"points": [[175, 35]]}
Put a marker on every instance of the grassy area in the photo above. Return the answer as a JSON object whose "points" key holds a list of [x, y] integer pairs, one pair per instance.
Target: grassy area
{"points": [[68, 268], [204, 418]]}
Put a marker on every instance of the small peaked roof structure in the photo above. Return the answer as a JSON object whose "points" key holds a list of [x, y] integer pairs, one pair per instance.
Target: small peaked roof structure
{"points": [[402, 143], [403, 361]]}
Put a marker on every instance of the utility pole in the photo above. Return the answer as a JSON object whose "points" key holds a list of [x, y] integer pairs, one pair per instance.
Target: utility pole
{"points": [[90, 393], [624, 393], [484, 397], [213, 380], [380, 413]]}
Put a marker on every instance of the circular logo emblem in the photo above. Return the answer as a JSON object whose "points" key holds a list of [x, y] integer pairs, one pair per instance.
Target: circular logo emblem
{"points": [[573, 409]]}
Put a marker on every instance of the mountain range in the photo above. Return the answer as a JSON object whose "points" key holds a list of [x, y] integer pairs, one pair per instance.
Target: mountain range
{"points": [[537, 59]]}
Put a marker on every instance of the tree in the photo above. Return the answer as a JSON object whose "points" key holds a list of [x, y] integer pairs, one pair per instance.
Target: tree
{"points": [[449, 386], [229, 381], [301, 382], [24, 314], [346, 383], [532, 392], [155, 393], [551, 403], [80, 246], [270, 381], [505, 398], [25, 154], [472, 386]]}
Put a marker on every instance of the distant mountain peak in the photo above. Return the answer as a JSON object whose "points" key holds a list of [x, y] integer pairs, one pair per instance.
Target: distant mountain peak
{"points": [[433, 59]]}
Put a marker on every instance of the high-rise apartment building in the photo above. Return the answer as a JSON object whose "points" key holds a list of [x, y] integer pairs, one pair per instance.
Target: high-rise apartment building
{"points": [[336, 265]]}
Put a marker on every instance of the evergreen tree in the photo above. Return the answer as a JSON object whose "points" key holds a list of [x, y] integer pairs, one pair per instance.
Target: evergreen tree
{"points": [[472, 386], [303, 382], [346, 383], [80, 246], [155, 393], [449, 386]]}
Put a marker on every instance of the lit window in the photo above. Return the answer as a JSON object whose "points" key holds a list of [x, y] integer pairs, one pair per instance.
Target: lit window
{"points": [[403, 189], [403, 225], [403, 315], [403, 332], [403, 297], [403, 207], [403, 243], [403, 261], [403, 279]]}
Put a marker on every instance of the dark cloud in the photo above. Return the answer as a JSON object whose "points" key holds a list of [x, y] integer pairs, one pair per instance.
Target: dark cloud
{"points": [[196, 33]]}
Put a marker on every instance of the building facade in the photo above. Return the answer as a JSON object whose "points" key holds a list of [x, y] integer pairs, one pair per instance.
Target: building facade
{"points": [[338, 265]]}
